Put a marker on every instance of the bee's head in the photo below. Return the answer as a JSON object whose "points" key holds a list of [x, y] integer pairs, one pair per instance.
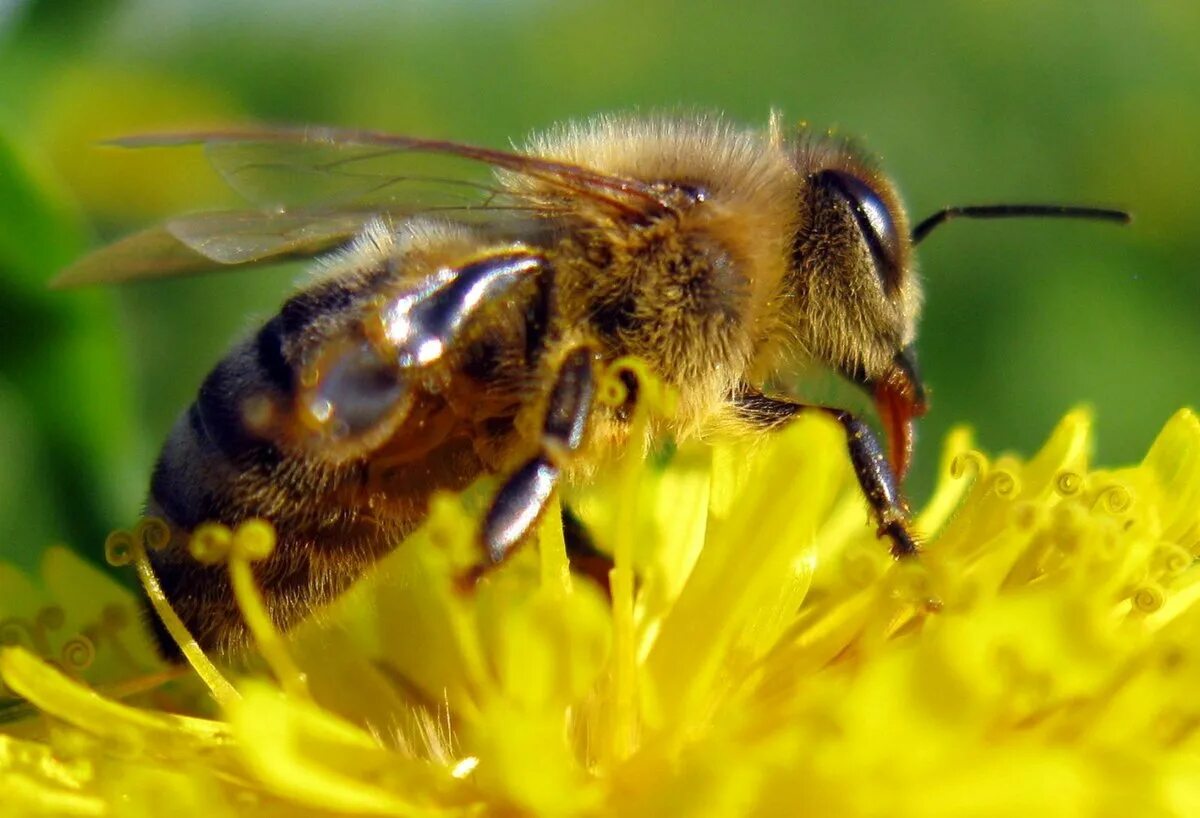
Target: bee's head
{"points": [[857, 299], [855, 293]]}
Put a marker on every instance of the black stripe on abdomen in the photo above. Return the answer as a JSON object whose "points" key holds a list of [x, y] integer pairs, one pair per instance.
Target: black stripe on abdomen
{"points": [[276, 370], [211, 444], [192, 477], [255, 369]]}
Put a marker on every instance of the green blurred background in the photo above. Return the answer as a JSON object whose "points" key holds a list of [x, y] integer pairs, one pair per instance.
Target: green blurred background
{"points": [[966, 103]]}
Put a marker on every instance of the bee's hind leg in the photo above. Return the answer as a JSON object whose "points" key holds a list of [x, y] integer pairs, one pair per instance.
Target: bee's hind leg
{"points": [[520, 502], [875, 476]]}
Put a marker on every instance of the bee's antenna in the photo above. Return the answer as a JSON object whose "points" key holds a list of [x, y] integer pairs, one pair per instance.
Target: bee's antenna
{"points": [[1005, 211]]}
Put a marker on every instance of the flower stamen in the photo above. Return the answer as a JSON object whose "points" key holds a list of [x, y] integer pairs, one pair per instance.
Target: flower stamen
{"points": [[123, 547]]}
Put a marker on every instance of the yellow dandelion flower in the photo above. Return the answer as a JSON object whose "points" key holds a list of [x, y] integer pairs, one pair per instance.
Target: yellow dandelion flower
{"points": [[760, 655]]}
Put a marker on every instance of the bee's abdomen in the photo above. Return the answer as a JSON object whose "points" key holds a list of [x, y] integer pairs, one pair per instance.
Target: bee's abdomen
{"points": [[216, 440], [219, 465], [254, 443]]}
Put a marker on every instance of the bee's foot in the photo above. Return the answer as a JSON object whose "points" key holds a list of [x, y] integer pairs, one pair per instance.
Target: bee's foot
{"points": [[468, 580], [904, 542]]}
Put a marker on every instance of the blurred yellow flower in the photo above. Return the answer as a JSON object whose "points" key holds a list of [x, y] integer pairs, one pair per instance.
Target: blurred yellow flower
{"points": [[760, 655]]}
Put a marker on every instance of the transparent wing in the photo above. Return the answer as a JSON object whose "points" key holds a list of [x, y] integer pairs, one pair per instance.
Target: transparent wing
{"points": [[246, 237], [286, 175], [211, 241], [317, 187], [282, 168]]}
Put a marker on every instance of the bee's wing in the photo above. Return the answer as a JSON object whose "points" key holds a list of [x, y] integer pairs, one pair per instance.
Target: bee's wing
{"points": [[210, 241], [282, 168], [285, 175], [317, 187]]}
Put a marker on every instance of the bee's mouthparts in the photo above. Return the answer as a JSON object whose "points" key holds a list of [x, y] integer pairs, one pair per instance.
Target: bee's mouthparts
{"points": [[900, 398]]}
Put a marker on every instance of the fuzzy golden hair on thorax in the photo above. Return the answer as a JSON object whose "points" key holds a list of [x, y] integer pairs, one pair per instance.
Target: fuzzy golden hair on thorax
{"points": [[747, 183]]}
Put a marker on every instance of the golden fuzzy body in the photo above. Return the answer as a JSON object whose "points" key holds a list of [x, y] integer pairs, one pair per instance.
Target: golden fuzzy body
{"points": [[439, 346], [759, 205]]}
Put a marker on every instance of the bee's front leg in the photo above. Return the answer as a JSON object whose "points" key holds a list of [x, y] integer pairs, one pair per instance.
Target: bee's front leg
{"points": [[871, 467], [520, 502]]}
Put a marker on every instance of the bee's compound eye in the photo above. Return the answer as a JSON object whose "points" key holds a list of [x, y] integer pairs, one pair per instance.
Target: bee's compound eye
{"points": [[353, 391], [874, 221]]}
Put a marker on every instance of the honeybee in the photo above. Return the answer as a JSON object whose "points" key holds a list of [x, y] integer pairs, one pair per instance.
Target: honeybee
{"points": [[454, 326]]}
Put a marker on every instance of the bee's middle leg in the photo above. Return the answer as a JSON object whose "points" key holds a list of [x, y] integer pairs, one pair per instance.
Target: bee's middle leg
{"points": [[875, 476], [520, 502]]}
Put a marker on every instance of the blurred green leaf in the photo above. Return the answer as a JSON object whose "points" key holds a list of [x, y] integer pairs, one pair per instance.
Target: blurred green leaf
{"points": [[27, 504], [63, 19], [64, 370]]}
